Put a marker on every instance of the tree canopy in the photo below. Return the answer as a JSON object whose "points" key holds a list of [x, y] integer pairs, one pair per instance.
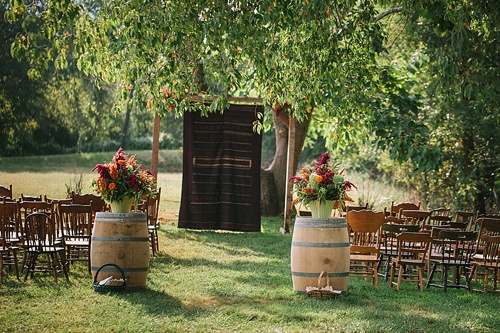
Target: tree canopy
{"points": [[302, 54], [433, 102]]}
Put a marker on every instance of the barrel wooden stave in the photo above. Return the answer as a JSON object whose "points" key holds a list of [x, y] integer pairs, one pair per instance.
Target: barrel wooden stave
{"points": [[122, 239], [320, 245]]}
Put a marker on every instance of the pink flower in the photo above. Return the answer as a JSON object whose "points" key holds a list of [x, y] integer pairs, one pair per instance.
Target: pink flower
{"points": [[102, 170]]}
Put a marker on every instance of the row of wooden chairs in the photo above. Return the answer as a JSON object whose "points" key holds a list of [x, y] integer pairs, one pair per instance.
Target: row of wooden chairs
{"points": [[408, 251], [71, 220]]}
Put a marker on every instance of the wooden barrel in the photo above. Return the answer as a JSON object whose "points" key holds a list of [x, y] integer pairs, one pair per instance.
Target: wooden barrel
{"points": [[122, 239], [320, 245]]}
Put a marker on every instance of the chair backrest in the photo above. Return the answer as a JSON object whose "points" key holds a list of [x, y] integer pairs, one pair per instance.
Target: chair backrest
{"points": [[464, 217], [360, 207], [152, 207], [395, 208], [39, 231], [436, 230], [31, 197], [27, 207], [6, 191], [98, 204], [55, 202], [11, 230], [476, 223], [416, 217], [491, 251], [392, 227], [440, 211], [74, 220], [399, 228], [486, 226], [414, 244], [457, 247], [457, 225], [365, 220], [366, 228], [437, 220]]}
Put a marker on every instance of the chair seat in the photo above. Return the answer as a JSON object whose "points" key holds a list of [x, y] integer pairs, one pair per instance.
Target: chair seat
{"points": [[364, 257], [478, 257], [416, 262], [389, 250], [483, 264], [44, 249], [75, 242]]}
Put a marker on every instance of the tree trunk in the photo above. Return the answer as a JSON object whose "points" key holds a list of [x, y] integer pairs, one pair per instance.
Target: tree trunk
{"points": [[273, 179], [127, 121]]}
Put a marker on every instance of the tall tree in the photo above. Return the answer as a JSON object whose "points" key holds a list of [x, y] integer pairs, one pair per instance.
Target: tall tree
{"points": [[311, 61], [460, 46]]}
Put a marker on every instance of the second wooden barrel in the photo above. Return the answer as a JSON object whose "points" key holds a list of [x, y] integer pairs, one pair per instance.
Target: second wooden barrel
{"points": [[320, 245], [122, 239]]}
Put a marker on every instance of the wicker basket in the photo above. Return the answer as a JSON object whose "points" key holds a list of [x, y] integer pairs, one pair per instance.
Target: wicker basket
{"points": [[326, 291], [110, 283]]}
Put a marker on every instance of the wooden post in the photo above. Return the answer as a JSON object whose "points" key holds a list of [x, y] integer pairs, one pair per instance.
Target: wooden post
{"points": [[156, 145], [289, 173]]}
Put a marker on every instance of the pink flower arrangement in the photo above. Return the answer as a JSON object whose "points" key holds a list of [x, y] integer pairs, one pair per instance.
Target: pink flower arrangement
{"points": [[123, 177], [320, 182]]}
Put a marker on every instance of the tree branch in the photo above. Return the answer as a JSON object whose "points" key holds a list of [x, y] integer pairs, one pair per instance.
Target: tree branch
{"points": [[388, 12]]}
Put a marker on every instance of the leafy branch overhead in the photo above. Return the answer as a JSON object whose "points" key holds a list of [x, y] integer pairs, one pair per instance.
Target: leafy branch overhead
{"points": [[325, 61], [308, 53]]}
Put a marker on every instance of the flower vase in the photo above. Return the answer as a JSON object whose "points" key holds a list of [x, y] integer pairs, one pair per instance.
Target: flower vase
{"points": [[321, 209], [124, 206]]}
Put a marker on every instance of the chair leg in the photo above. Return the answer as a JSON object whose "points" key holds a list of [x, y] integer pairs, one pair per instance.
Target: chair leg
{"points": [[64, 265], [1, 267], [431, 274], [495, 277], [30, 260], [152, 243], [445, 278], [400, 276], [468, 279], [375, 274], [486, 276], [16, 265], [387, 264], [421, 277], [391, 282], [53, 257]]}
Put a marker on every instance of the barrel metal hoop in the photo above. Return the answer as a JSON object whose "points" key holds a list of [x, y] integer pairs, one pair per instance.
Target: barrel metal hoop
{"points": [[315, 275], [120, 239], [125, 269], [308, 244], [322, 225]]}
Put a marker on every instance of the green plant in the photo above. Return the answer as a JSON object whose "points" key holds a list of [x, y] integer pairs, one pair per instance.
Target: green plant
{"points": [[76, 186]]}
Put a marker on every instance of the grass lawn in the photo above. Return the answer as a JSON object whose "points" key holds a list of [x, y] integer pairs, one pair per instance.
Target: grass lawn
{"points": [[209, 281]]}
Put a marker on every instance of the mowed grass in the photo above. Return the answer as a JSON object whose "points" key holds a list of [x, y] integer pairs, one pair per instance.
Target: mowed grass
{"points": [[212, 281]]}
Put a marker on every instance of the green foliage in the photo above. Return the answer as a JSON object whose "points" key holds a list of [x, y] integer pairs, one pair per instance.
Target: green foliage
{"points": [[462, 79], [214, 48], [75, 185], [422, 86]]}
